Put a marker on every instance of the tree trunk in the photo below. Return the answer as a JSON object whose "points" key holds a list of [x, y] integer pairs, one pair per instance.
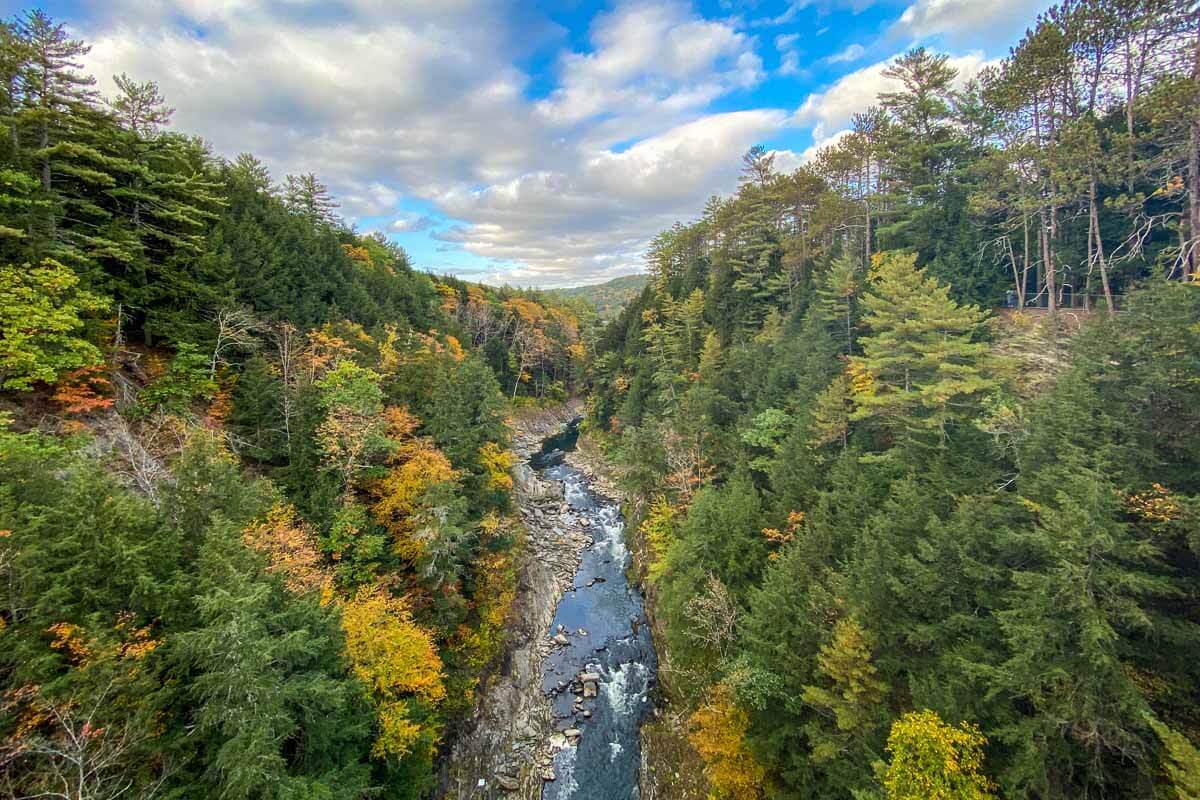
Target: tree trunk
{"points": [[1094, 234], [1190, 258]]}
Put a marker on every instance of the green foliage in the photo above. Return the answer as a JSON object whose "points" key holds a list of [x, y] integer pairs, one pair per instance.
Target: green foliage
{"points": [[923, 365], [887, 498], [185, 381], [40, 323]]}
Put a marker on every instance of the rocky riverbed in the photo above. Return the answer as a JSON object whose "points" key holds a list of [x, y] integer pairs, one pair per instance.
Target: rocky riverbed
{"points": [[560, 719], [507, 750]]}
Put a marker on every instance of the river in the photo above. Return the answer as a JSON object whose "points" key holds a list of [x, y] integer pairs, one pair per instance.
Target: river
{"points": [[602, 621]]}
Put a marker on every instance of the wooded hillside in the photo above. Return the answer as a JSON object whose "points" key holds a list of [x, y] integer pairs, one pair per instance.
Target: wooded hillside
{"points": [[901, 546]]}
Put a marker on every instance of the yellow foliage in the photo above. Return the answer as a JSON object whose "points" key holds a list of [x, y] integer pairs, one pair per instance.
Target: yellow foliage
{"points": [[718, 732], [359, 254], [1156, 506], [399, 493], [497, 462], [658, 529], [454, 348], [931, 760], [395, 658], [778, 538], [71, 640], [136, 641], [862, 382], [449, 297]]}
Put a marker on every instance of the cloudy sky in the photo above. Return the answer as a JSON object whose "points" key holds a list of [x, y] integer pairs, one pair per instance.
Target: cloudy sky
{"points": [[531, 143]]}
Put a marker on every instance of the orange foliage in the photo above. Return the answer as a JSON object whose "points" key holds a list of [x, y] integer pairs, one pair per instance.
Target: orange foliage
{"points": [[291, 551], [322, 352], [84, 391], [718, 732], [222, 404], [776, 537]]}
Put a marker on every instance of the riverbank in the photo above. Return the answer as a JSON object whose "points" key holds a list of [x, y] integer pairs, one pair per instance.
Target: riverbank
{"points": [[507, 748]]}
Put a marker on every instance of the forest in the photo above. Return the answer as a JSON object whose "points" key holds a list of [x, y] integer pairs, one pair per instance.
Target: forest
{"points": [[256, 535], [909, 437], [913, 435]]}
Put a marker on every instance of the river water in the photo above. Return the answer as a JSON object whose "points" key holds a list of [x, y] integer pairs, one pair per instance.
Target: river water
{"points": [[603, 620]]}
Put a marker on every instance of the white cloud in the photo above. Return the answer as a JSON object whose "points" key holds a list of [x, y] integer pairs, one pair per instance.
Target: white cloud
{"points": [[411, 223], [831, 110], [852, 53], [796, 6], [789, 64], [967, 20], [651, 55], [596, 219], [387, 101]]}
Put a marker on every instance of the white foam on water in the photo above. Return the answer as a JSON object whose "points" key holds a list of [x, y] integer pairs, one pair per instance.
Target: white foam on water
{"points": [[617, 689], [615, 750], [614, 533], [566, 786], [573, 491]]}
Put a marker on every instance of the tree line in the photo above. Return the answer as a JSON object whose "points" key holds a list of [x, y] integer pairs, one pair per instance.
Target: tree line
{"points": [[912, 437]]}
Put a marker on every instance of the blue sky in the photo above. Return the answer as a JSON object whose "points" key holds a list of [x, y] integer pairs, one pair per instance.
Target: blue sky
{"points": [[519, 142]]}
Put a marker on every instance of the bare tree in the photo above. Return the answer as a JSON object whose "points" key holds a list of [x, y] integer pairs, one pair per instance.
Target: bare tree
{"points": [[76, 755], [713, 614], [235, 331]]}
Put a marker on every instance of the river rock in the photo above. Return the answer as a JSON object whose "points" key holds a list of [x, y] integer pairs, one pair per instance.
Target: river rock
{"points": [[561, 640], [590, 689], [507, 782]]}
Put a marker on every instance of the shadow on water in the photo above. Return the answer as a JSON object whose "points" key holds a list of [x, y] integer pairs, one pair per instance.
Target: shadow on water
{"points": [[602, 619], [555, 448]]}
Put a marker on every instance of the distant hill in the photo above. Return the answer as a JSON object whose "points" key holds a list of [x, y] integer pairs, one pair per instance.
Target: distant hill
{"points": [[610, 297]]}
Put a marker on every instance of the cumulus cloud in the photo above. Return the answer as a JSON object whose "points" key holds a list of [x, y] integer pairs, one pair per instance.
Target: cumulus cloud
{"points": [[595, 220], [651, 56], [426, 99], [965, 20], [831, 110]]}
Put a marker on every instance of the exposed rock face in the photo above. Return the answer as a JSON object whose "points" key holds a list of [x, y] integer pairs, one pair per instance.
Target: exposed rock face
{"points": [[509, 741]]}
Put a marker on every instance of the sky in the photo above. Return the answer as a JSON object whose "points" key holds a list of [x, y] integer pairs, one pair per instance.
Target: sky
{"points": [[528, 143]]}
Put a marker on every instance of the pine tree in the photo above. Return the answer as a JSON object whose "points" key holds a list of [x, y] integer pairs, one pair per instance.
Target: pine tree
{"points": [[924, 368], [856, 696], [306, 195]]}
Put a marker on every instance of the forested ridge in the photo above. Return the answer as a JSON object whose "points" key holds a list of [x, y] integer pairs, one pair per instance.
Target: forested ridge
{"points": [[913, 435], [255, 527]]}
